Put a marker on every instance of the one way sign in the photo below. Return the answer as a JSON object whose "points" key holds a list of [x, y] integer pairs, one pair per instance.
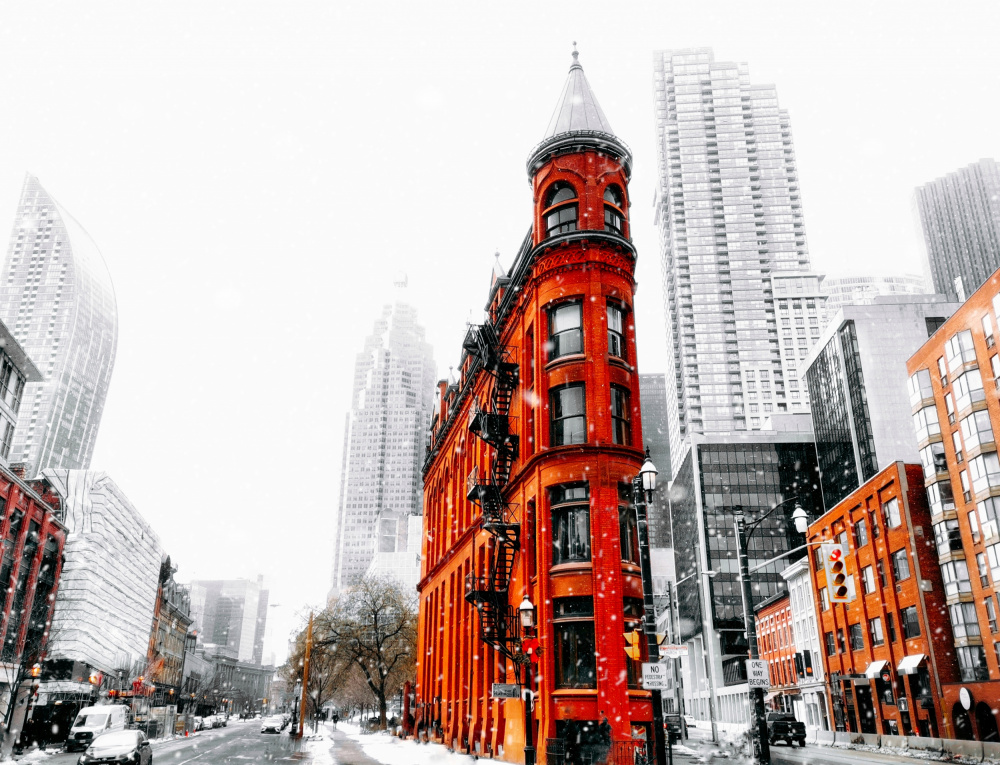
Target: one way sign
{"points": [[757, 676]]}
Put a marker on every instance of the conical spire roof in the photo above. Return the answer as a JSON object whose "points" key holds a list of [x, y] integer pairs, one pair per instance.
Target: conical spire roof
{"points": [[577, 108], [578, 124]]}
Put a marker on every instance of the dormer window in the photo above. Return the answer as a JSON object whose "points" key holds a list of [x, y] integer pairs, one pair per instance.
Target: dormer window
{"points": [[560, 209], [614, 210]]}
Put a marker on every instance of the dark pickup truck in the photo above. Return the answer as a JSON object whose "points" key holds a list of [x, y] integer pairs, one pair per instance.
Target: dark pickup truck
{"points": [[784, 726]]}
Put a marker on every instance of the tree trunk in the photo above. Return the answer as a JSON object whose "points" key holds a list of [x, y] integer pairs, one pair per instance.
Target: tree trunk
{"points": [[381, 712]]}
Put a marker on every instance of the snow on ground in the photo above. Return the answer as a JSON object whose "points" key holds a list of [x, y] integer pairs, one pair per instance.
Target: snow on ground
{"points": [[391, 750], [318, 745]]}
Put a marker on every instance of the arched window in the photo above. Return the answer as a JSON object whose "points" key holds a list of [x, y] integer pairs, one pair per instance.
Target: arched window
{"points": [[560, 209], [614, 210]]}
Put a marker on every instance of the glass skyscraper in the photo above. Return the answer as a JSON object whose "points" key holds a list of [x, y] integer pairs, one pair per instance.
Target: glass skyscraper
{"points": [[384, 444], [960, 219], [730, 217], [57, 298]]}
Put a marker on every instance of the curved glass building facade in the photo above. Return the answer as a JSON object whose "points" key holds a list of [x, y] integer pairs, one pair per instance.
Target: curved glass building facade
{"points": [[57, 298]]}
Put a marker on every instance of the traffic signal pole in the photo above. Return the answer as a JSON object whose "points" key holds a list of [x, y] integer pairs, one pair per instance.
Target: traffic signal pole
{"points": [[763, 746]]}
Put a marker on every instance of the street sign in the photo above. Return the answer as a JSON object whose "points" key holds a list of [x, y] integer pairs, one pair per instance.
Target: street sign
{"points": [[506, 691], [757, 676], [654, 676], [673, 651]]}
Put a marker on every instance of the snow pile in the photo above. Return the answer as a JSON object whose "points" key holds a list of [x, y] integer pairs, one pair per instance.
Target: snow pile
{"points": [[389, 749]]}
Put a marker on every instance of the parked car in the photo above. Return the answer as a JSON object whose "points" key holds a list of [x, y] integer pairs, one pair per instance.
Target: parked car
{"points": [[91, 722], [118, 746], [209, 722], [272, 725], [784, 726], [199, 723], [223, 721]]}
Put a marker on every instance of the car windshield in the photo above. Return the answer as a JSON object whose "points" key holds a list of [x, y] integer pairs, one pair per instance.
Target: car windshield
{"points": [[117, 738], [91, 720], [781, 717]]}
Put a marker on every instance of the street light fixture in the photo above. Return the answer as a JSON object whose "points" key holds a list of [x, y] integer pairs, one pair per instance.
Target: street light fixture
{"points": [[643, 486], [801, 521], [526, 611]]}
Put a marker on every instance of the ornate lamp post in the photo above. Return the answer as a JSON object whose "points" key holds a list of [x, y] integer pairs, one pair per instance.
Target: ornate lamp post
{"points": [[526, 611], [643, 486], [801, 520]]}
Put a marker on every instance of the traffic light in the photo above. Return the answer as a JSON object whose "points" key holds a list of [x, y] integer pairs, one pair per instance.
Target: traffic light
{"points": [[837, 581], [633, 647]]}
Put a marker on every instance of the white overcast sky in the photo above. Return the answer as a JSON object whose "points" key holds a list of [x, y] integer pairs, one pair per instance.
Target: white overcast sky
{"points": [[254, 173]]}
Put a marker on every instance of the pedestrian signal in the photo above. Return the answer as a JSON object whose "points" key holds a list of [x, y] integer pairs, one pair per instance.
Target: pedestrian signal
{"points": [[632, 645], [837, 580]]}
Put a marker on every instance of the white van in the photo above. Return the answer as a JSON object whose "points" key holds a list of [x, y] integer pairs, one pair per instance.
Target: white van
{"points": [[91, 722]]}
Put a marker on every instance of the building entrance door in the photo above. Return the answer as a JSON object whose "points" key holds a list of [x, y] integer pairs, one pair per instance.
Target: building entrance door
{"points": [[866, 711]]}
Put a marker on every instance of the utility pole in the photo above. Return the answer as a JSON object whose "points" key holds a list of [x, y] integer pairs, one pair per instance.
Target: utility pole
{"points": [[305, 674]]}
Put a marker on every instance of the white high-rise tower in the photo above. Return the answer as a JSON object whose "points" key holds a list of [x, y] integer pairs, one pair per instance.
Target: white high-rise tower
{"points": [[742, 307], [384, 443], [57, 298]]}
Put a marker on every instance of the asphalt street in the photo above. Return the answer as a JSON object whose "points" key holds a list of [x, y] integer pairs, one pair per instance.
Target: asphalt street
{"points": [[239, 744]]}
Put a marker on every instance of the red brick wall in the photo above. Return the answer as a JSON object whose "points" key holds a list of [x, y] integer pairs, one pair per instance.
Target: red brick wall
{"points": [[976, 539], [922, 589]]}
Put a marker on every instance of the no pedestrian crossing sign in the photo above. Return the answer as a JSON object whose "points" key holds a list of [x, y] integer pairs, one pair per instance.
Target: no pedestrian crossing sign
{"points": [[757, 676], [654, 676]]}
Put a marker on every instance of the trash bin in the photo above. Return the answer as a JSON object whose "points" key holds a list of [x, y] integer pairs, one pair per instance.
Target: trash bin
{"points": [[555, 751]]}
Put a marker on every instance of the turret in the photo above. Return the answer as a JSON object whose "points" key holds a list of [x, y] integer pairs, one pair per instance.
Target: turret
{"points": [[581, 169]]}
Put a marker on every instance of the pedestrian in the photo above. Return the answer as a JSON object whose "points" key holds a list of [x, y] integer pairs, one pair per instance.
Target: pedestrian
{"points": [[336, 718]]}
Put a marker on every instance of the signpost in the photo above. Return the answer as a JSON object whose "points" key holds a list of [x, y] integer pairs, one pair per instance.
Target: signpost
{"points": [[654, 676], [757, 676], [673, 651], [506, 691]]}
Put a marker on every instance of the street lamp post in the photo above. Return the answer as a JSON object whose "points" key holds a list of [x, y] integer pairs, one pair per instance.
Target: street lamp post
{"points": [[763, 748], [643, 486], [526, 611], [675, 629]]}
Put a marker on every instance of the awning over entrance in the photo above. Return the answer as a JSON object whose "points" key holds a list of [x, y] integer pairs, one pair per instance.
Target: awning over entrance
{"points": [[876, 667], [910, 664], [772, 695]]}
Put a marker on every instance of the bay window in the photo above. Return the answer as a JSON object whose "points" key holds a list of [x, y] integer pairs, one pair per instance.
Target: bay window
{"points": [[960, 350], [926, 423], [985, 472], [977, 430], [920, 386], [969, 389]]}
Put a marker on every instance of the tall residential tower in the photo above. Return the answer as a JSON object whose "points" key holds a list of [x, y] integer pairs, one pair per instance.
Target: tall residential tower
{"points": [[384, 444], [730, 217], [960, 219], [57, 298]]}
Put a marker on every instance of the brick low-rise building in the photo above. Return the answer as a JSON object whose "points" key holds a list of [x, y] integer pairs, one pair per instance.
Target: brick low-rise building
{"points": [[889, 653], [954, 380], [776, 644]]}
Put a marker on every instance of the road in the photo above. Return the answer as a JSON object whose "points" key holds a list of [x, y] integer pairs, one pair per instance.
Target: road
{"points": [[242, 743], [785, 755]]}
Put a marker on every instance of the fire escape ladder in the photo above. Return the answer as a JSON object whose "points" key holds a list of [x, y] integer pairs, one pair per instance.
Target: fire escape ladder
{"points": [[497, 620]]}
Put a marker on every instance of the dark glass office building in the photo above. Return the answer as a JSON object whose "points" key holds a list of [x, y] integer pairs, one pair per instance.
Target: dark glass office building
{"points": [[860, 409], [756, 473]]}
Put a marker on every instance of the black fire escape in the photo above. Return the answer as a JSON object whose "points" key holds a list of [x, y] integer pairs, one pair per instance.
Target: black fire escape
{"points": [[498, 621]]}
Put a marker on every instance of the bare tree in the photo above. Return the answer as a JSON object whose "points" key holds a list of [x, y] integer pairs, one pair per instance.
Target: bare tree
{"points": [[373, 629]]}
